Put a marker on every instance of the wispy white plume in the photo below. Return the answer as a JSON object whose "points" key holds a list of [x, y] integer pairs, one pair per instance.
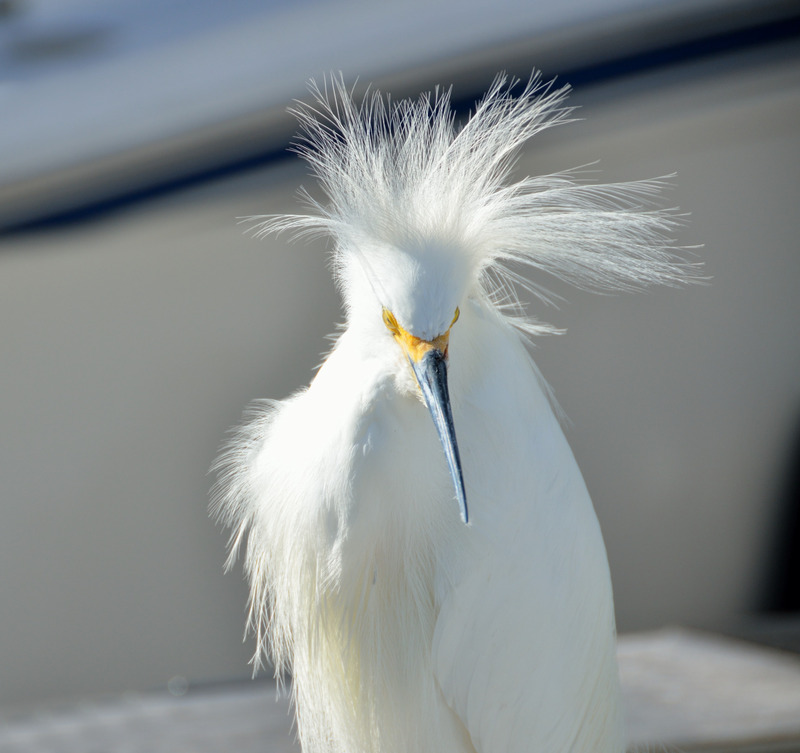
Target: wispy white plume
{"points": [[406, 173]]}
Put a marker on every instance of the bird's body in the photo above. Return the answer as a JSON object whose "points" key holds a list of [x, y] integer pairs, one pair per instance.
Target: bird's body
{"points": [[405, 629]]}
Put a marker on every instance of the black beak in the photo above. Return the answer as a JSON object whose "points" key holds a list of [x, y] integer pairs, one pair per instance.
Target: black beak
{"points": [[431, 373]]}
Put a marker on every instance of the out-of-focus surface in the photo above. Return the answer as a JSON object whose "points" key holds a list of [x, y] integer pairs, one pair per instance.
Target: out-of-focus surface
{"points": [[132, 341], [682, 690], [99, 98], [241, 718], [694, 691], [685, 404]]}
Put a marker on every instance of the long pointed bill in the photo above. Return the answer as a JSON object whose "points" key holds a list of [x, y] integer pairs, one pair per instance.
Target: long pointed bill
{"points": [[431, 373]]}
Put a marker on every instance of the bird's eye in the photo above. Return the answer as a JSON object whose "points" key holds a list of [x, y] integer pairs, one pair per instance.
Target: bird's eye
{"points": [[455, 318], [390, 321]]}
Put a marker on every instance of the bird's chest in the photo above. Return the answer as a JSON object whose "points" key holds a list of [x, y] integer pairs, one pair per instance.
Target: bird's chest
{"points": [[387, 536], [389, 521], [362, 637]]}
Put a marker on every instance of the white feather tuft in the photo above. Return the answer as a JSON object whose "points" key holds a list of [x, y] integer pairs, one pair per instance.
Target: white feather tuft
{"points": [[403, 175]]}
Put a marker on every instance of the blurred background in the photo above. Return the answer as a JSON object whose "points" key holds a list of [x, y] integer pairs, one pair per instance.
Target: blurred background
{"points": [[138, 319]]}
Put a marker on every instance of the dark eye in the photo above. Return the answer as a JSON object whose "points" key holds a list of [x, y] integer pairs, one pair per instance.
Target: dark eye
{"points": [[390, 322]]}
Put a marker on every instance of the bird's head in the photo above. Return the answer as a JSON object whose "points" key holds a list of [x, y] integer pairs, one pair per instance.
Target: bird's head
{"points": [[406, 297], [421, 283], [423, 217]]}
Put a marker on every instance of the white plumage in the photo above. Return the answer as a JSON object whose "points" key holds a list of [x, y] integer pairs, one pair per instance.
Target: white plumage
{"points": [[405, 629]]}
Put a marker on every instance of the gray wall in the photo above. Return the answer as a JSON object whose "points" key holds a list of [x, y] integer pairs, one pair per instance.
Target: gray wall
{"points": [[132, 342]]}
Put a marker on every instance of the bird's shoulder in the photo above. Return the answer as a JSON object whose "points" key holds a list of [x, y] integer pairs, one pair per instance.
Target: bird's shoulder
{"points": [[292, 449], [525, 625]]}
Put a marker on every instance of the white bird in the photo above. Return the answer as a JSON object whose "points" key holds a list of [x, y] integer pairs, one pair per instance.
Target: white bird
{"points": [[407, 626]]}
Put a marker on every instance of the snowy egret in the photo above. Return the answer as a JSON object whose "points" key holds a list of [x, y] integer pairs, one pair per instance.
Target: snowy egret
{"points": [[406, 625]]}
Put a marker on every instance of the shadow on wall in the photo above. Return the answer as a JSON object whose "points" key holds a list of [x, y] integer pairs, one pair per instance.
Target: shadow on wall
{"points": [[782, 581]]}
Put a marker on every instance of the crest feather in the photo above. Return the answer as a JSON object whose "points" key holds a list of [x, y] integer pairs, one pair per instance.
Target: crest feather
{"points": [[405, 174]]}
